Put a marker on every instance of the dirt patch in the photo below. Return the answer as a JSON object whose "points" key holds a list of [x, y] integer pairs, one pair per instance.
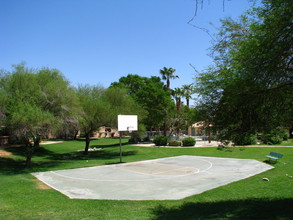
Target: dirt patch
{"points": [[4, 153], [50, 142], [42, 186]]}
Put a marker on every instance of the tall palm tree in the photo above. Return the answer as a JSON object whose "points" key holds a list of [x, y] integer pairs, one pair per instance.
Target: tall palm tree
{"points": [[167, 74], [187, 91], [177, 94]]}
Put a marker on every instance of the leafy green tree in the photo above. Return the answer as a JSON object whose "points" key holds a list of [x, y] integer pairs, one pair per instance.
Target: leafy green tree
{"points": [[94, 111], [2, 108], [28, 122], [133, 83], [121, 104], [183, 116], [251, 80], [167, 74], [35, 101], [24, 117], [150, 94], [100, 107], [58, 97], [3, 101]]}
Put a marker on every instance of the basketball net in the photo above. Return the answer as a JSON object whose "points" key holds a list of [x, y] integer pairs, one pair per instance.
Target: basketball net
{"points": [[129, 129]]}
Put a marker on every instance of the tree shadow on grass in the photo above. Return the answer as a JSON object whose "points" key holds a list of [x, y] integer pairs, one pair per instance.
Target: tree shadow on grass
{"points": [[98, 155], [95, 138], [238, 209], [20, 151], [44, 159], [10, 166], [43, 150], [99, 139], [108, 145], [15, 164]]}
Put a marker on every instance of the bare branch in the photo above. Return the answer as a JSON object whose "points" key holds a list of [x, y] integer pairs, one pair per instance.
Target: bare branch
{"points": [[195, 70], [193, 17], [195, 12], [223, 5], [203, 29]]}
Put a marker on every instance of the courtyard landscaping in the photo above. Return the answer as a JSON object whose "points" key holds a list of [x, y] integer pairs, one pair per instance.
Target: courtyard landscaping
{"points": [[23, 196]]}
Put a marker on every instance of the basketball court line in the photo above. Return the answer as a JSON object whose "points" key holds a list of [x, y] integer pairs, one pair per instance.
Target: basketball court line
{"points": [[143, 173], [178, 178]]}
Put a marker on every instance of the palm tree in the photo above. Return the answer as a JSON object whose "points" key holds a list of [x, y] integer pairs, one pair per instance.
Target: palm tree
{"points": [[187, 91], [177, 94], [167, 74], [178, 119]]}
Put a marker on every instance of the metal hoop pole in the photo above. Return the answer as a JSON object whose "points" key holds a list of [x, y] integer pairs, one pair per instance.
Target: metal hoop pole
{"points": [[120, 133]]}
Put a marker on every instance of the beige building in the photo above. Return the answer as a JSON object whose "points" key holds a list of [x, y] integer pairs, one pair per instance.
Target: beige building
{"points": [[104, 132], [199, 129]]}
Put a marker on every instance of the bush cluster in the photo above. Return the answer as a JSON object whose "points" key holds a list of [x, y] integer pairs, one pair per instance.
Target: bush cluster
{"points": [[275, 136], [160, 140], [245, 139], [189, 141], [174, 143], [239, 138]]}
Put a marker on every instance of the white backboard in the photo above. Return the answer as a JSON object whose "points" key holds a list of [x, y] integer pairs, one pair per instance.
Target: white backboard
{"points": [[127, 122]]}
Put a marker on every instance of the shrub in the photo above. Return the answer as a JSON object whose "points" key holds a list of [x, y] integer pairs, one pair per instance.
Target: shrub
{"points": [[275, 136], [271, 139], [189, 141], [135, 137], [146, 139], [160, 140], [245, 139], [133, 140], [284, 134], [174, 143]]}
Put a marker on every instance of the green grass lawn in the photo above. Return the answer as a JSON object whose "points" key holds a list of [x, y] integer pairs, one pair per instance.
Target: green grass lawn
{"points": [[22, 196]]}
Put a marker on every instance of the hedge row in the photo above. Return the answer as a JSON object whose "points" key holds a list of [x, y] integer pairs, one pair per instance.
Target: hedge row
{"points": [[163, 141]]}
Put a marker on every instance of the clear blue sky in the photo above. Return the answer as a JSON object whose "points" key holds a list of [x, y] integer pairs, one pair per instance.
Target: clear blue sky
{"points": [[99, 41]]}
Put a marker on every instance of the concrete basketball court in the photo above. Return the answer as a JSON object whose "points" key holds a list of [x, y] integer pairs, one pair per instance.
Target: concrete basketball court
{"points": [[168, 178]]}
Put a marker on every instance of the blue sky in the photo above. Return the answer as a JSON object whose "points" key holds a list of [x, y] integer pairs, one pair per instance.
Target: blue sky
{"points": [[99, 41]]}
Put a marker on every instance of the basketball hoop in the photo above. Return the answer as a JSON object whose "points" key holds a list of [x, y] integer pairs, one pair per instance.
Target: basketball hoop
{"points": [[130, 129], [126, 123]]}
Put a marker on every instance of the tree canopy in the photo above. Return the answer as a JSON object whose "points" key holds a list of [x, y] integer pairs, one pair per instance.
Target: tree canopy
{"points": [[94, 110], [33, 105], [167, 74], [249, 87], [150, 94]]}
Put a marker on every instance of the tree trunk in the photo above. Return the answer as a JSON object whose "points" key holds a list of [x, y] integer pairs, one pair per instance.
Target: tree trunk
{"points": [[168, 83], [178, 104], [178, 132], [29, 154], [75, 134], [165, 128], [28, 162], [87, 143], [37, 141], [210, 135]]}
